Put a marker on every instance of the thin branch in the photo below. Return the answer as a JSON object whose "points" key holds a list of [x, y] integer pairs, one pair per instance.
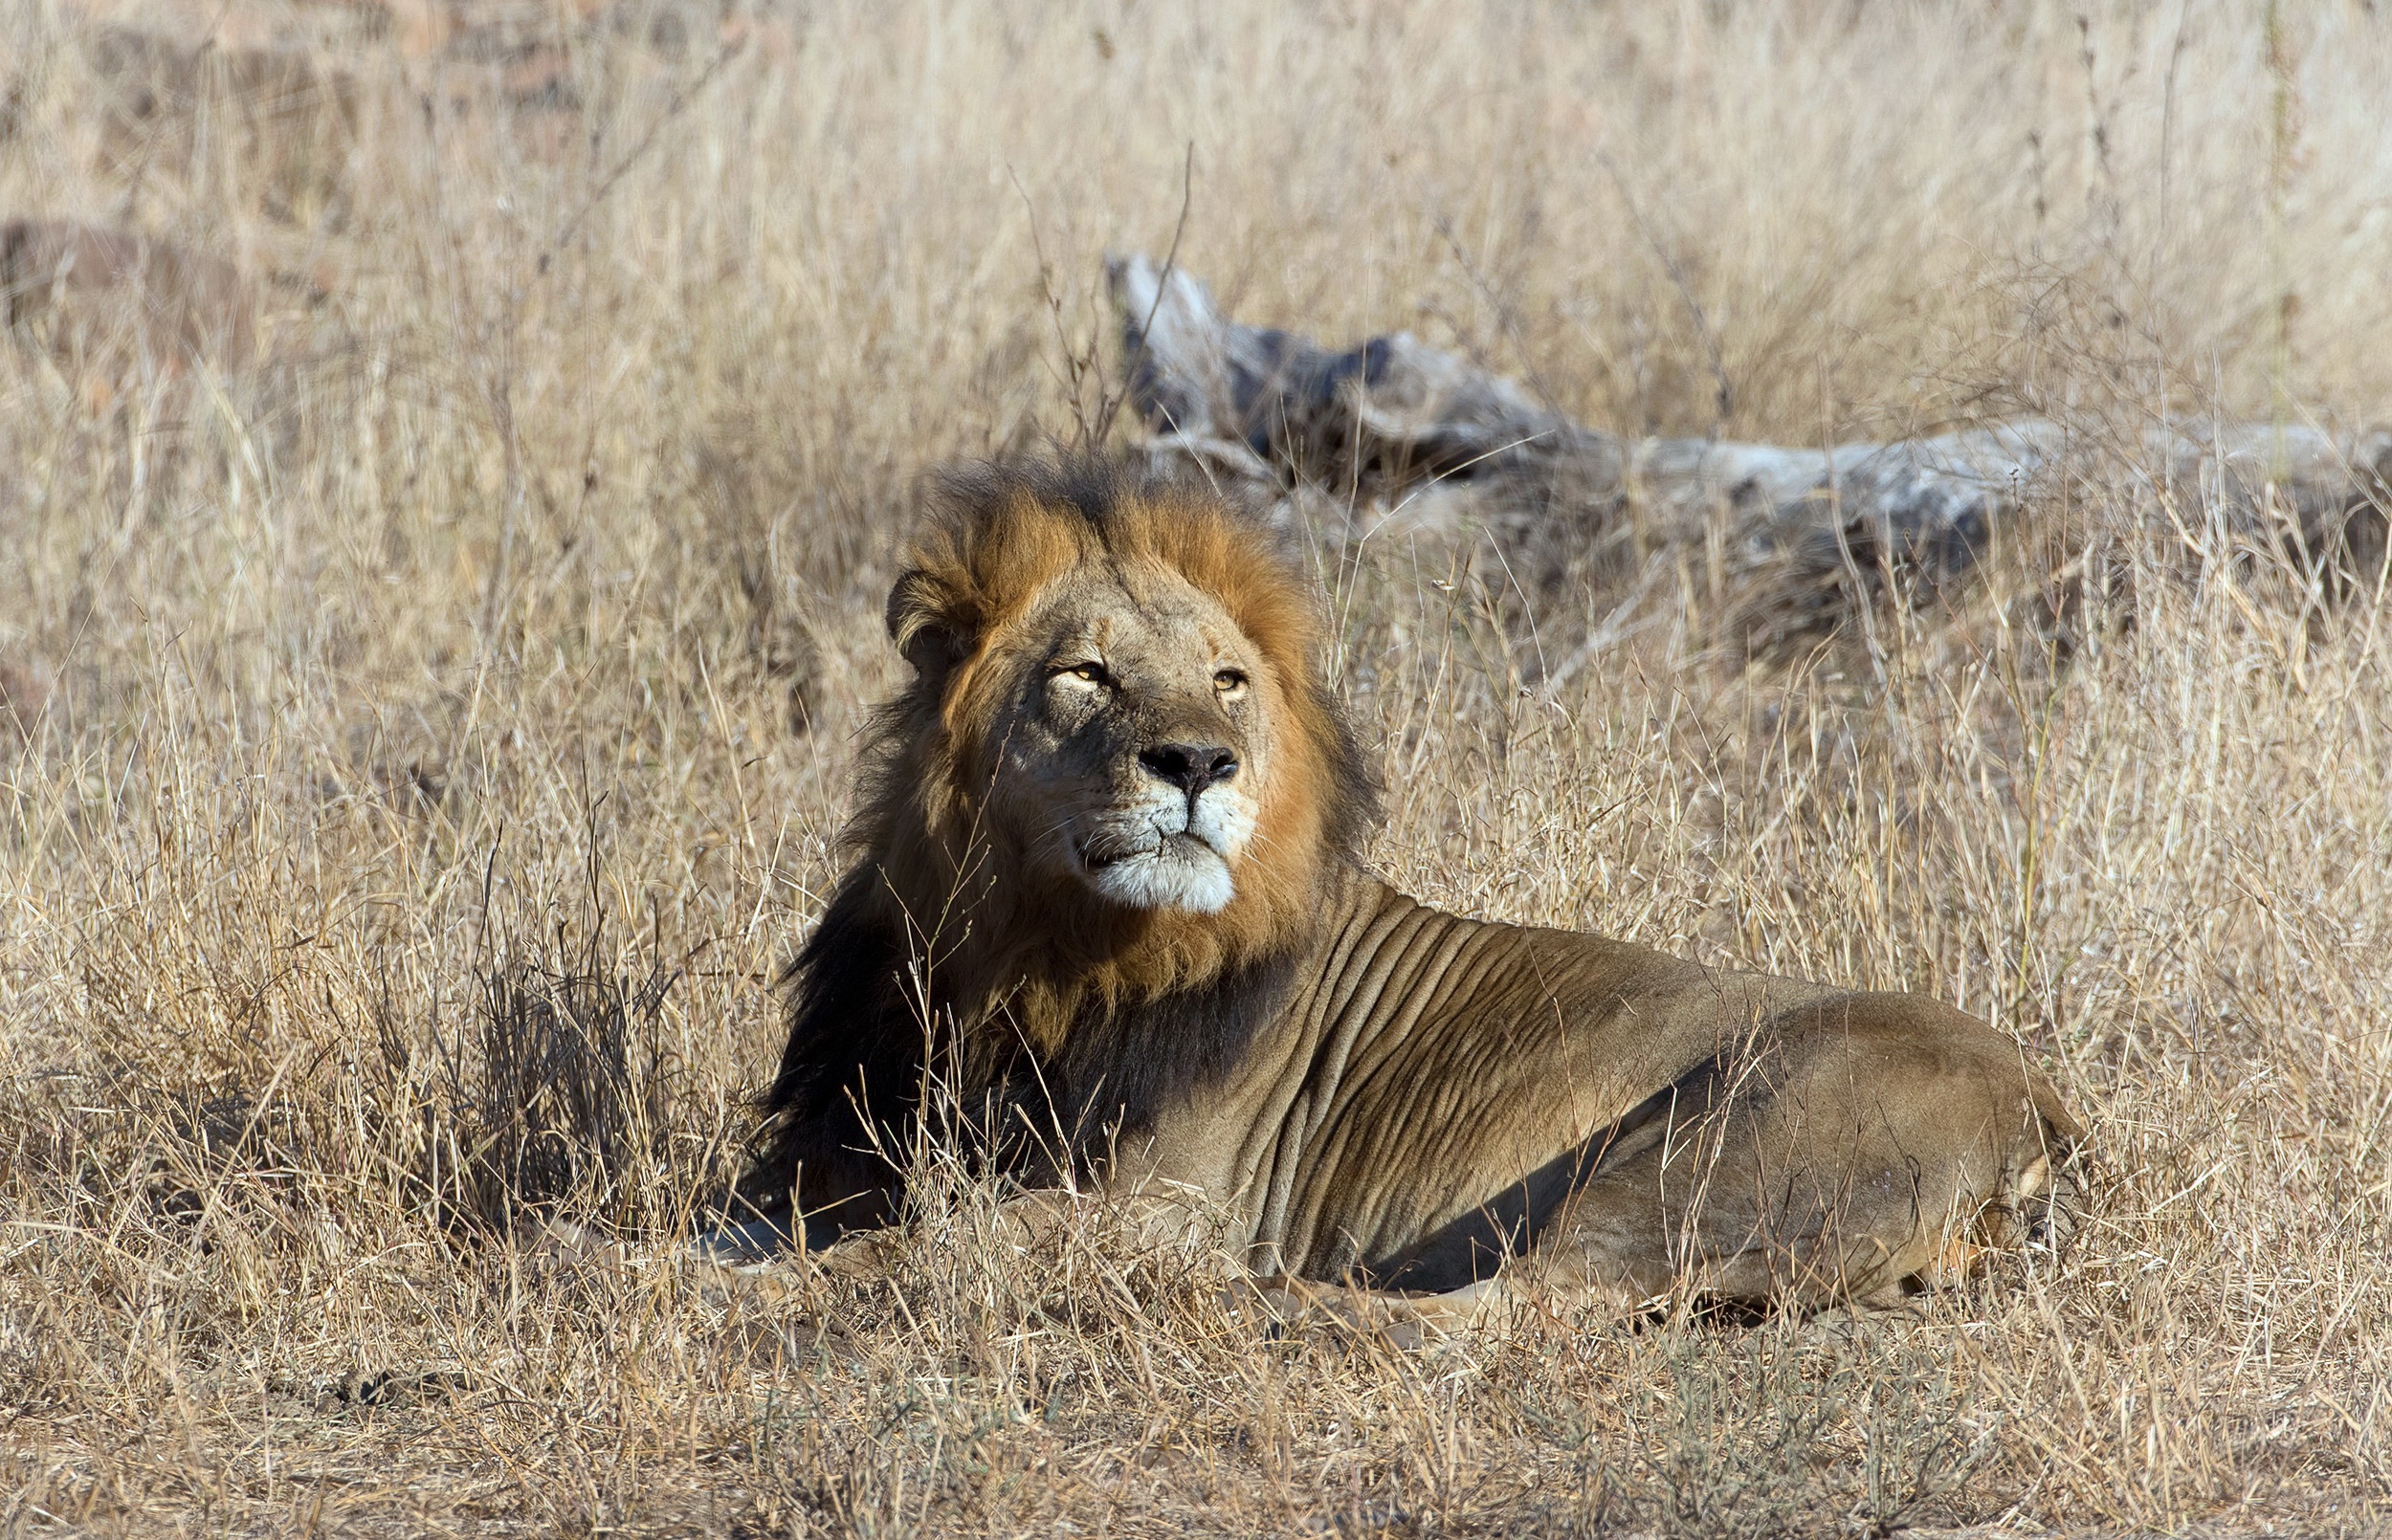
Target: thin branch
{"points": [[682, 98], [1677, 270], [1110, 405]]}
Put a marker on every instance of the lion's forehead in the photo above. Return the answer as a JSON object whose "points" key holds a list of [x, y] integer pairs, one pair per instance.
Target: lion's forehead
{"points": [[1165, 628]]}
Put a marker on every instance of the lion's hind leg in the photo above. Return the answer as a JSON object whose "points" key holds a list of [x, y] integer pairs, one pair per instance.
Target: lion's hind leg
{"points": [[1865, 1149]]}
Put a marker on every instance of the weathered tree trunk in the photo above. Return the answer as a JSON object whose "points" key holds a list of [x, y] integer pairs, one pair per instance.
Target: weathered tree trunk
{"points": [[1798, 531]]}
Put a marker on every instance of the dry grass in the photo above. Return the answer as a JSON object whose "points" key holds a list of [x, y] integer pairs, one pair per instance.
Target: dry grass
{"points": [[410, 712]]}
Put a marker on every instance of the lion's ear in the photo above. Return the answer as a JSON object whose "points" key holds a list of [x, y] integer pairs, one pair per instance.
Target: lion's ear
{"points": [[930, 621]]}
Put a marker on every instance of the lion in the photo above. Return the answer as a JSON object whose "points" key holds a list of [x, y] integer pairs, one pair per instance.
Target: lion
{"points": [[1107, 891]]}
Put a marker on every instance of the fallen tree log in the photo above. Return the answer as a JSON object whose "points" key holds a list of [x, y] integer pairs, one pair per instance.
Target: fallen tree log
{"points": [[1379, 424]]}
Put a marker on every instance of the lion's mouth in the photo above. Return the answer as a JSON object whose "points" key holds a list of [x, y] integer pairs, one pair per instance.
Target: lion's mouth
{"points": [[1149, 869], [1099, 853]]}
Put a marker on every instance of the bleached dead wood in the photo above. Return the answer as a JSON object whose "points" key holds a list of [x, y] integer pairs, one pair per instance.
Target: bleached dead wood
{"points": [[1382, 421]]}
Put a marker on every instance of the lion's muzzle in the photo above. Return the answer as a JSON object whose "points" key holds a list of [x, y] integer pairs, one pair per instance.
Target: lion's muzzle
{"points": [[1171, 843]]}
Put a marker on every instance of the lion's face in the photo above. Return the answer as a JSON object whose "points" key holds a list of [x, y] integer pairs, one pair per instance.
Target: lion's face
{"points": [[1114, 700], [1131, 750]]}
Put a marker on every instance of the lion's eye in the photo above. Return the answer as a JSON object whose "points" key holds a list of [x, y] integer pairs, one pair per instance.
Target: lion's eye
{"points": [[1088, 672], [1228, 681]]}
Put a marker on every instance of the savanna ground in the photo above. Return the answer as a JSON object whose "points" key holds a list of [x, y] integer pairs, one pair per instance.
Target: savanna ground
{"points": [[427, 725]]}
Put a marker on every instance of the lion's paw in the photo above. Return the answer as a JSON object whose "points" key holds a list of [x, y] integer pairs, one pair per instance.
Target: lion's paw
{"points": [[1290, 1307], [867, 1257]]}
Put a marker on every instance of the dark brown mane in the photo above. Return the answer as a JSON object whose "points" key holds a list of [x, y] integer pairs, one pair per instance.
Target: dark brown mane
{"points": [[1060, 1014]]}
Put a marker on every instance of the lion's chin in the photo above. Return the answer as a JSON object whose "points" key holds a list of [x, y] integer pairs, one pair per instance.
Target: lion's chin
{"points": [[1184, 874]]}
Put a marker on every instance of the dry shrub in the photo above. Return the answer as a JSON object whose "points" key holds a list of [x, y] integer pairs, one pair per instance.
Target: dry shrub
{"points": [[595, 448], [573, 1103], [563, 1098]]}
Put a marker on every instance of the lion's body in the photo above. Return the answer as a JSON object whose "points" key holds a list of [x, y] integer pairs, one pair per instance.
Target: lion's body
{"points": [[1372, 1090], [1439, 1093]]}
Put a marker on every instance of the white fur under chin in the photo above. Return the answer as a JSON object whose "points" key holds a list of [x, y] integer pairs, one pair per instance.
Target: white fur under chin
{"points": [[1182, 875], [1165, 852]]}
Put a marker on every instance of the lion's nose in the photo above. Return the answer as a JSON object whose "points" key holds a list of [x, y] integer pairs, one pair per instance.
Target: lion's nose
{"points": [[1189, 766]]}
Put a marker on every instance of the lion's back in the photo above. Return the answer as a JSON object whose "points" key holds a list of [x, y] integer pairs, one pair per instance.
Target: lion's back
{"points": [[1492, 1070]]}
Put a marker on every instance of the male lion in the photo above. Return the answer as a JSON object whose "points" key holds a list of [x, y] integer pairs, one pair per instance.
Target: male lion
{"points": [[1107, 887]]}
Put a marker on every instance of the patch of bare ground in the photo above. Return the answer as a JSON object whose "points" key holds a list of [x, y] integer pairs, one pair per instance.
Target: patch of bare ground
{"points": [[427, 730]]}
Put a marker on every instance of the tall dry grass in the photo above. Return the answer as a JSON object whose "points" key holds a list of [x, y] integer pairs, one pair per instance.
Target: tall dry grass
{"points": [[424, 742]]}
